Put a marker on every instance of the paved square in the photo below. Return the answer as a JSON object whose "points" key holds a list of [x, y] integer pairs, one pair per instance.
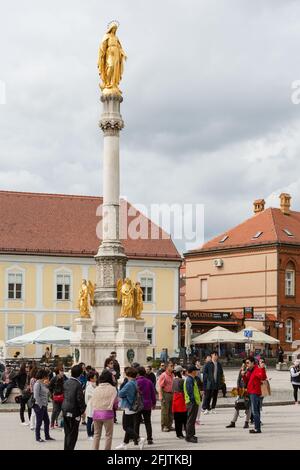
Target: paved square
{"points": [[281, 430]]}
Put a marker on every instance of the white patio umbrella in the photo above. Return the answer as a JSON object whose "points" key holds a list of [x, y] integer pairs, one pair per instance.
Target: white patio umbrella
{"points": [[257, 336], [48, 335], [218, 335]]}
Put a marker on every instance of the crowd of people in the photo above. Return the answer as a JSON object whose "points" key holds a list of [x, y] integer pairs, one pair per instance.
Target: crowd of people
{"points": [[92, 397]]}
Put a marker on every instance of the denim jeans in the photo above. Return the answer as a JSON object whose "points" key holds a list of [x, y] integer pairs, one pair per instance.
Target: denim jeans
{"points": [[255, 408]]}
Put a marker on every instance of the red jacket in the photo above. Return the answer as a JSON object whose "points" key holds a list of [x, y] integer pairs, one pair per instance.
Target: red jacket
{"points": [[253, 379]]}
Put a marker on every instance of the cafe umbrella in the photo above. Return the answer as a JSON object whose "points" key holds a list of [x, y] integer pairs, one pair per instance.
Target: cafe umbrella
{"points": [[48, 335], [217, 335]]}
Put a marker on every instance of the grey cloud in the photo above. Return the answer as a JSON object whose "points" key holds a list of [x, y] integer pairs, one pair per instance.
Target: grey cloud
{"points": [[204, 83]]}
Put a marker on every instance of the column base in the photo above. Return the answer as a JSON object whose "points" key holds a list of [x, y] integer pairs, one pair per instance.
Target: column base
{"points": [[83, 341]]}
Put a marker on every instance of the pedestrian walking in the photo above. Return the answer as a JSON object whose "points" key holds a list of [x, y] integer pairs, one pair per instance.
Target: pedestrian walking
{"points": [[147, 392], [116, 365], [150, 375], [242, 393], [41, 396], [178, 404], [89, 391], [109, 364], [253, 377], [129, 394], [103, 403], [295, 379], [32, 379], [213, 376], [165, 384], [56, 389], [22, 382], [192, 400], [73, 407]]}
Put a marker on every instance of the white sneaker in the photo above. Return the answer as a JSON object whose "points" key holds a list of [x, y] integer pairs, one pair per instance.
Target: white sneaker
{"points": [[121, 446], [141, 443], [24, 424], [206, 412], [90, 438], [213, 412]]}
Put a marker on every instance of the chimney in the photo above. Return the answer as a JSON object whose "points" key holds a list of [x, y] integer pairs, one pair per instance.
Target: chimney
{"points": [[259, 206], [285, 203]]}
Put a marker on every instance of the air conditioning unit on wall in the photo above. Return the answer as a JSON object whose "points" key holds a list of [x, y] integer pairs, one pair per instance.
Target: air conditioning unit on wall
{"points": [[218, 263]]}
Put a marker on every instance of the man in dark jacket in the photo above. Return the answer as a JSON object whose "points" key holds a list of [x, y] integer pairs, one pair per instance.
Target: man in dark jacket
{"points": [[73, 407], [113, 355], [150, 375], [213, 377]]}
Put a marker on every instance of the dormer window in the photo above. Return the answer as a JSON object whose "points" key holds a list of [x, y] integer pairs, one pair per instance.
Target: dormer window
{"points": [[257, 235], [223, 239], [287, 232]]}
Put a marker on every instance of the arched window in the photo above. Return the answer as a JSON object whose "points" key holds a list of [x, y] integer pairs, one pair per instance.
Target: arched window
{"points": [[289, 330], [290, 279]]}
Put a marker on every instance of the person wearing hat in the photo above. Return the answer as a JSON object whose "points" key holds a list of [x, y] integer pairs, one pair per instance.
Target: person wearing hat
{"points": [[192, 400], [178, 404]]}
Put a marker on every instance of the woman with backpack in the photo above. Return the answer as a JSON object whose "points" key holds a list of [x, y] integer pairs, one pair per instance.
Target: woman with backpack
{"points": [[131, 399]]}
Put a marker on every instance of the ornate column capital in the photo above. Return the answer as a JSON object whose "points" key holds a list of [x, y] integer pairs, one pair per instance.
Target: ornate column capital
{"points": [[111, 121]]}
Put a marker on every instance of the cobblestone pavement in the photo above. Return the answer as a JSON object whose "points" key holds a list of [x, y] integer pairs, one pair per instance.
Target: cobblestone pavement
{"points": [[281, 430]]}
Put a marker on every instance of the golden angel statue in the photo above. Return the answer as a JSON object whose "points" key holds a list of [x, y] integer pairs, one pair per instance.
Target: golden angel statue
{"points": [[125, 294], [91, 288], [131, 296], [110, 61], [83, 304], [138, 301], [86, 298]]}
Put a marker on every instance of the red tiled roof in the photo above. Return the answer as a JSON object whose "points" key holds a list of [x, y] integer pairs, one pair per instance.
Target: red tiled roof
{"points": [[37, 223], [271, 222]]}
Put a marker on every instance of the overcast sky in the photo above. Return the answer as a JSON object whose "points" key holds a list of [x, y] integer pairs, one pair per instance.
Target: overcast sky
{"points": [[207, 101]]}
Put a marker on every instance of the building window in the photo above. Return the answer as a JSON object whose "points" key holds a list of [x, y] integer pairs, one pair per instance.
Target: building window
{"points": [[147, 288], [149, 333], [289, 330], [289, 281], [203, 289], [15, 281], [63, 282], [13, 331]]}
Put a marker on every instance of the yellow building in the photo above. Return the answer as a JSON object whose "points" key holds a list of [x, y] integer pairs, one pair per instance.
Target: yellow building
{"points": [[47, 246]]}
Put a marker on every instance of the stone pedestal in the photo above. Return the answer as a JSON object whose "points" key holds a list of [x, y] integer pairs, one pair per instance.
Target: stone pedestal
{"points": [[131, 336], [83, 339]]}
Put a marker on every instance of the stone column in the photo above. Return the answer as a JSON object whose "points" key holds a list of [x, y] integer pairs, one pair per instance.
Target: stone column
{"points": [[110, 259]]}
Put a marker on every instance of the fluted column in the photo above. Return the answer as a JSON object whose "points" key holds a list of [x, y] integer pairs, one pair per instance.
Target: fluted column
{"points": [[110, 259]]}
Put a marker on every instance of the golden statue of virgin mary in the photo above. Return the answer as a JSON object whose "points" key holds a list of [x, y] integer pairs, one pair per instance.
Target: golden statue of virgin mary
{"points": [[110, 61]]}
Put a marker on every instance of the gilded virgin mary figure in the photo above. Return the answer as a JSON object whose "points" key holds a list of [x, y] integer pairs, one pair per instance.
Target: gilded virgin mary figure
{"points": [[110, 61]]}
